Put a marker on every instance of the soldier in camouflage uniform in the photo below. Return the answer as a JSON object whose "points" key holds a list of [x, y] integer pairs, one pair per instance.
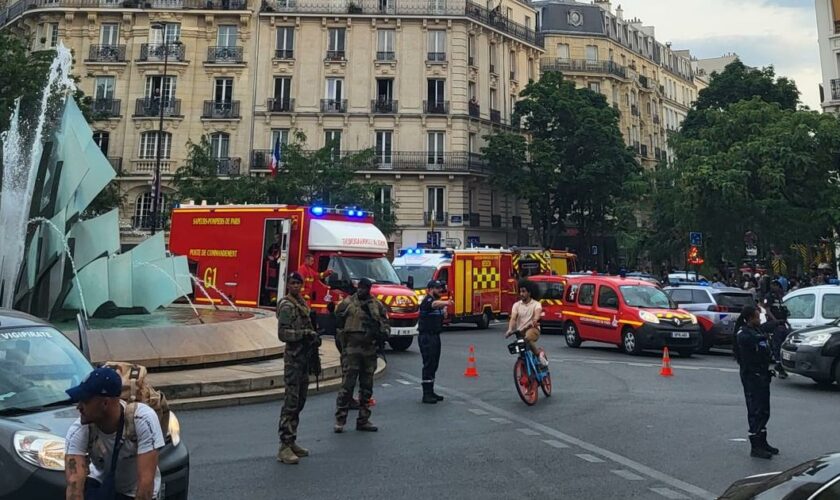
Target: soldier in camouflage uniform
{"points": [[294, 327], [362, 324]]}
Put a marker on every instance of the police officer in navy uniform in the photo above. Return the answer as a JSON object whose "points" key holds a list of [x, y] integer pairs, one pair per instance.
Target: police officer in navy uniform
{"points": [[779, 312], [752, 351], [432, 312]]}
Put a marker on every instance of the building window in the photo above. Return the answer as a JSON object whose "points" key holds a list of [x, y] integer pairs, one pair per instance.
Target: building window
{"points": [[493, 99], [335, 45], [471, 144], [592, 53], [53, 38], [334, 94], [104, 87], [285, 48], [332, 140], [563, 51], [435, 153], [154, 84], [227, 35], [220, 145], [437, 45], [513, 65], [102, 139], [148, 145], [385, 45], [493, 58], [436, 95], [471, 50], [143, 210], [385, 199], [435, 204], [595, 87], [530, 68], [224, 90], [169, 33], [282, 92], [471, 92], [385, 95], [383, 147], [109, 34], [279, 133]]}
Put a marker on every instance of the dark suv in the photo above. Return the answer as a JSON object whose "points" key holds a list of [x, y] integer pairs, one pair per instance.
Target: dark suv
{"points": [[37, 363]]}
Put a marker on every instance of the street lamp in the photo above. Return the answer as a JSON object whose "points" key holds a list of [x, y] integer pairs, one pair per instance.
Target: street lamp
{"points": [[156, 202]]}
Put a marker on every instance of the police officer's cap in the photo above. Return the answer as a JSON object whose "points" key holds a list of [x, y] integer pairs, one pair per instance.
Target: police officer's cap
{"points": [[365, 283], [295, 277], [434, 284]]}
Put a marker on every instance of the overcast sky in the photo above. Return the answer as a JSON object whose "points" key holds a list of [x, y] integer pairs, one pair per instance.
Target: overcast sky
{"points": [[762, 32]]}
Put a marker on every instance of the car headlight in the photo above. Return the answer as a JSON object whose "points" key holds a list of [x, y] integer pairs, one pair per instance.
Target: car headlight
{"points": [[174, 429], [648, 317], [693, 319], [816, 340], [40, 449]]}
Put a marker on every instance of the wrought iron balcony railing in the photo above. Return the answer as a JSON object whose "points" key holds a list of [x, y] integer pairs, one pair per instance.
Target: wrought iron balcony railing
{"points": [[383, 106], [280, 105], [582, 66], [400, 161], [106, 53], [222, 54], [151, 107], [228, 167], [495, 116], [436, 56], [284, 54], [474, 109], [221, 110], [105, 108], [436, 107], [386, 56], [158, 52], [335, 55], [333, 105]]}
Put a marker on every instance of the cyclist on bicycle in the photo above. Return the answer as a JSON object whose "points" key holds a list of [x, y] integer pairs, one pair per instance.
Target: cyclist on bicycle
{"points": [[525, 318]]}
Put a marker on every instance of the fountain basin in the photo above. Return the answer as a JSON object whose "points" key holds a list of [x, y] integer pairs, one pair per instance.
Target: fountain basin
{"points": [[173, 338]]}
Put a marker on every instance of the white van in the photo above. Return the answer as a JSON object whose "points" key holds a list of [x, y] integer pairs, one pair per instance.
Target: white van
{"points": [[813, 306]]}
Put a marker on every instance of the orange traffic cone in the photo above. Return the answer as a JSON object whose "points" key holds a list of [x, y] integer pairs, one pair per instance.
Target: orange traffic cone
{"points": [[666, 364], [471, 370]]}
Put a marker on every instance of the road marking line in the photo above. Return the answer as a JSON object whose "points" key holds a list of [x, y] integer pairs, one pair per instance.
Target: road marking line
{"points": [[386, 385], [668, 493], [571, 440], [626, 474], [739, 440], [501, 420], [528, 432], [555, 443], [403, 382], [642, 365], [477, 411], [589, 458]]}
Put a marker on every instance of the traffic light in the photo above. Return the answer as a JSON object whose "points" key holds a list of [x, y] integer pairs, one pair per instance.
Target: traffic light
{"points": [[694, 257]]}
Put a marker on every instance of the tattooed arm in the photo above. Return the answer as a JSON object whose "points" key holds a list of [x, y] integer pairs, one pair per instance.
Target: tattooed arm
{"points": [[75, 471]]}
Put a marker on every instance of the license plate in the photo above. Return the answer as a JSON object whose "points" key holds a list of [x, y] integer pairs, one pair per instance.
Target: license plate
{"points": [[679, 335], [404, 331], [787, 355]]}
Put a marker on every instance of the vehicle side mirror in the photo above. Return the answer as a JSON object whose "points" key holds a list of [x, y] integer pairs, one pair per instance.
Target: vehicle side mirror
{"points": [[410, 282]]}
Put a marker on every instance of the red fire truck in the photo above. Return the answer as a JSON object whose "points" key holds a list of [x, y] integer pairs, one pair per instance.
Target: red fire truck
{"points": [[246, 251]]}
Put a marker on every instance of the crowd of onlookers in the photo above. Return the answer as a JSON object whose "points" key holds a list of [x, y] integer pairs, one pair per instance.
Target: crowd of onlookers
{"points": [[759, 284]]}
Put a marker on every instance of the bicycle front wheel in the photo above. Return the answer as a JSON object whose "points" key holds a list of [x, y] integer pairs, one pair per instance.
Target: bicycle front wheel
{"points": [[546, 384], [526, 385]]}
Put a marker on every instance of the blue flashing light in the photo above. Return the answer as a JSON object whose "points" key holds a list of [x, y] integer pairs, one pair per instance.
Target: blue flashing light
{"points": [[317, 210], [413, 251]]}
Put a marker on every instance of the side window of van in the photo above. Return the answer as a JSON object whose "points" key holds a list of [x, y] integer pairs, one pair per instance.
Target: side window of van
{"points": [[571, 295], [586, 296], [801, 306], [443, 277], [831, 306], [607, 298]]}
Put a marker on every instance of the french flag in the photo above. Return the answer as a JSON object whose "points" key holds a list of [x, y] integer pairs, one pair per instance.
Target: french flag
{"points": [[274, 165]]}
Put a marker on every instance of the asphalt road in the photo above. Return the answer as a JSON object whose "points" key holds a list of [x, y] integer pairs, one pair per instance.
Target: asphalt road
{"points": [[612, 428]]}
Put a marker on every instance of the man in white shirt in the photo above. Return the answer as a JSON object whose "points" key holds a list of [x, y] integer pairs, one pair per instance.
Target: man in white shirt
{"points": [[525, 318], [92, 440]]}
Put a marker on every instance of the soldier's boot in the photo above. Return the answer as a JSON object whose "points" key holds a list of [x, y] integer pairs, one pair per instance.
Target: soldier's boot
{"points": [[437, 396], [338, 428], [766, 445], [428, 394], [286, 455], [756, 448], [299, 450], [366, 426]]}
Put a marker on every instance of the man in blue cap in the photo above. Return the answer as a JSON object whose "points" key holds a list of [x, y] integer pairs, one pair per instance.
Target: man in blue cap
{"points": [[101, 461]]}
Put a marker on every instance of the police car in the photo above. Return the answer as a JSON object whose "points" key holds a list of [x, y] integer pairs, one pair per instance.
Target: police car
{"points": [[716, 309]]}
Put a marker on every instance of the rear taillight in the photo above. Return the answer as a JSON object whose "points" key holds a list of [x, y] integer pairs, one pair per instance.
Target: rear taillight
{"points": [[717, 308]]}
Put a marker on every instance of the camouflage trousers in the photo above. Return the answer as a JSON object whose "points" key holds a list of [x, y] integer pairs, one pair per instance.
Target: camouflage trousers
{"points": [[356, 364], [296, 376]]}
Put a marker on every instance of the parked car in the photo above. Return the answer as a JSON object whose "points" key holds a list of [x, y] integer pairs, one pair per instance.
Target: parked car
{"points": [[716, 309], [814, 352], [817, 479], [632, 314], [37, 363], [813, 306], [550, 291], [685, 278]]}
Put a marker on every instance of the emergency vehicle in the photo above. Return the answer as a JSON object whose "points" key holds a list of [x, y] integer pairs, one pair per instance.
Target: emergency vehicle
{"points": [[533, 261], [246, 252], [480, 281], [550, 290]]}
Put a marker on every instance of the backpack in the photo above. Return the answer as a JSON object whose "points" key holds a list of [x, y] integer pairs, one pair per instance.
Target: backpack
{"points": [[135, 390]]}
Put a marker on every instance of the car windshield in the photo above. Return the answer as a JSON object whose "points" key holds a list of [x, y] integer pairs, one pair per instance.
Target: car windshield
{"points": [[645, 296], [378, 270], [422, 275], [37, 364]]}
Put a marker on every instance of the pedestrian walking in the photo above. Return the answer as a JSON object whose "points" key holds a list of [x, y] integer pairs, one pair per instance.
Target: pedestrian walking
{"points": [[778, 312], [362, 325], [432, 313], [752, 351], [294, 327]]}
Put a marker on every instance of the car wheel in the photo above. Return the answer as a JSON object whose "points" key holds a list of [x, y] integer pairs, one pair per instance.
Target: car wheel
{"points": [[484, 322], [629, 342], [707, 344], [837, 370], [400, 343], [572, 335]]}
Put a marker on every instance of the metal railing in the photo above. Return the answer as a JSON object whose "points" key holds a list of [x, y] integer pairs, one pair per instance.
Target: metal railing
{"points": [[495, 19], [582, 66], [280, 105], [386, 56], [223, 54], [105, 108], [835, 89], [333, 105], [495, 116], [335, 55], [150, 107], [147, 166], [157, 52], [106, 53], [436, 56], [220, 110], [383, 106], [436, 107], [474, 109], [228, 166], [399, 161], [645, 83], [438, 218], [284, 54]]}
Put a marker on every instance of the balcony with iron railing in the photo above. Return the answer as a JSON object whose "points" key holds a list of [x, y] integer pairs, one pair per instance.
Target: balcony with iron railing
{"points": [[333, 105], [228, 167], [221, 110], [157, 52], [474, 109], [335, 56], [436, 107], [582, 66], [284, 54], [285, 105], [399, 161], [645, 83], [106, 54], [436, 57], [436, 218], [150, 107], [225, 55], [835, 89], [383, 106], [386, 55], [105, 108], [495, 116]]}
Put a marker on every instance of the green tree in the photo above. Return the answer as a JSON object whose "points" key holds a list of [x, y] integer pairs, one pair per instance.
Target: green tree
{"points": [[575, 166]]}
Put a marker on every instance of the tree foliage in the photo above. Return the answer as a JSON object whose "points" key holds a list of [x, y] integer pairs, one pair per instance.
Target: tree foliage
{"points": [[321, 177], [574, 168]]}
